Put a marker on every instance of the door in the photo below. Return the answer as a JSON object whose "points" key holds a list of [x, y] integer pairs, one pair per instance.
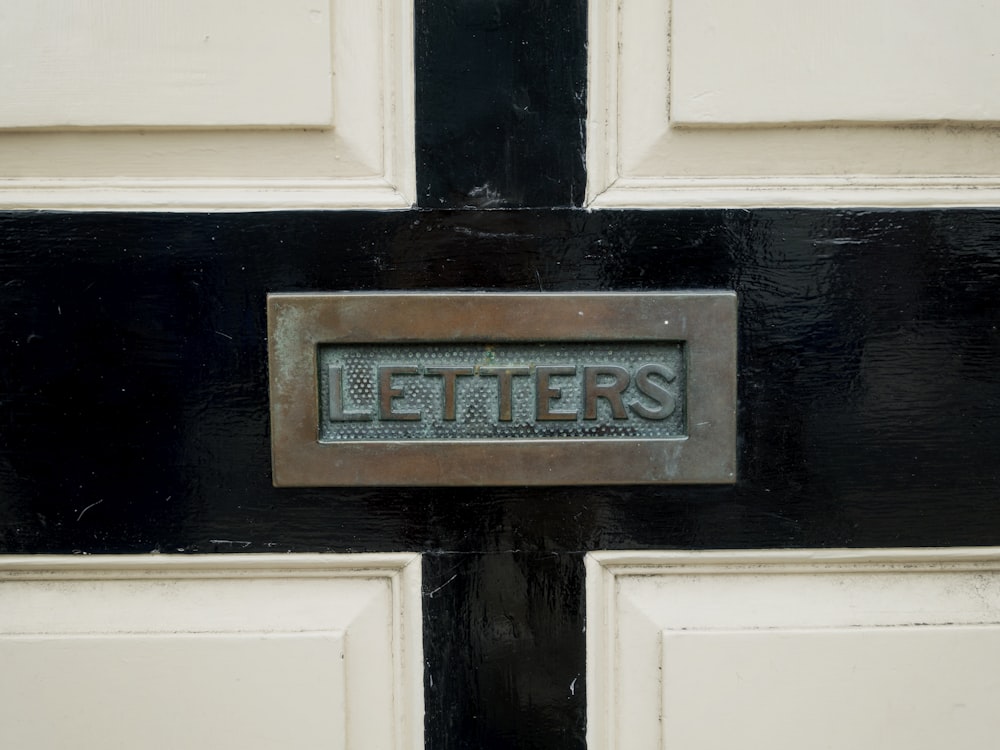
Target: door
{"points": [[134, 382]]}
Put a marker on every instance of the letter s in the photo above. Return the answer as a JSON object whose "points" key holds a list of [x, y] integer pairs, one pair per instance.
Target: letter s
{"points": [[655, 391]]}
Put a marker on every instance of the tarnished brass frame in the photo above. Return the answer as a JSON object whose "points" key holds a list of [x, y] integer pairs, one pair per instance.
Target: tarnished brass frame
{"points": [[704, 321]]}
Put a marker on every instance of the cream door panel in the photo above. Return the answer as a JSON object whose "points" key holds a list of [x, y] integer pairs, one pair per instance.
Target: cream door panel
{"points": [[253, 690], [793, 102], [206, 105], [183, 63], [887, 687], [866, 61], [864, 649], [249, 650]]}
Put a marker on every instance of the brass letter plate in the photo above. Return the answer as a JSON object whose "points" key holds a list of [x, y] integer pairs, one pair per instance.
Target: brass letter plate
{"points": [[502, 389]]}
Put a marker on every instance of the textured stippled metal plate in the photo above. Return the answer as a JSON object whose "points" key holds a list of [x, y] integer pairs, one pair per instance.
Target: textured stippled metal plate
{"points": [[493, 391], [467, 389]]}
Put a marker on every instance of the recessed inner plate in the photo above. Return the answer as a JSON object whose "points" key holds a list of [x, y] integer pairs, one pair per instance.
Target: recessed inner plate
{"points": [[459, 391]]}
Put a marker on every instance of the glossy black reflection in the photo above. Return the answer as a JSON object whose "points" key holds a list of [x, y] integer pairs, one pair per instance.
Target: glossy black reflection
{"points": [[501, 97]]}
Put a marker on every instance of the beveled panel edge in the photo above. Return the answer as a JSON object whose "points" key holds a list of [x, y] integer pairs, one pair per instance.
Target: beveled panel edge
{"points": [[759, 561], [793, 191], [235, 565], [297, 323], [202, 195]]}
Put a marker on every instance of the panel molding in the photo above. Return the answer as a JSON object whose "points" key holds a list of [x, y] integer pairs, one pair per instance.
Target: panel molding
{"points": [[638, 158], [799, 192], [371, 603], [634, 598], [366, 159], [200, 195]]}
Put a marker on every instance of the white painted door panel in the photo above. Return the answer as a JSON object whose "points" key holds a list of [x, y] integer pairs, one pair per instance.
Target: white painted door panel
{"points": [[805, 61], [855, 688], [793, 103], [183, 63], [206, 104], [839, 649], [258, 690], [253, 651]]}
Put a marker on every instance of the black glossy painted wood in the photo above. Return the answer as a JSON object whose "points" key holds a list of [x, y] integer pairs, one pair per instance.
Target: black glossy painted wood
{"points": [[133, 408], [501, 97]]}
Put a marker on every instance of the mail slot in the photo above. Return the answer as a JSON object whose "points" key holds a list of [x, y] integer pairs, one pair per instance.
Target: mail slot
{"points": [[491, 389]]}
